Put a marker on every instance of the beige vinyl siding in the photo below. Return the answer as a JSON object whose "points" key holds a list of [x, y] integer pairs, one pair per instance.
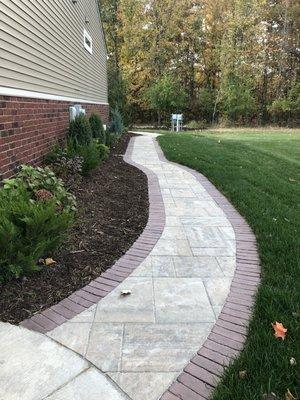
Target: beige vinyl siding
{"points": [[42, 48]]}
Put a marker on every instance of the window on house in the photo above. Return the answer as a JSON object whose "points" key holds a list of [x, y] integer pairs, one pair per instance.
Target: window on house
{"points": [[88, 42]]}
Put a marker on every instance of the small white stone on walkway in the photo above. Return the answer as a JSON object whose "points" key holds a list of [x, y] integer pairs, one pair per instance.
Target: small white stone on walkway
{"points": [[138, 307]]}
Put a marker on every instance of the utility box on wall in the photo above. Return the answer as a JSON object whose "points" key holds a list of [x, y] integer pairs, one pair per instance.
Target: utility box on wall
{"points": [[76, 110]]}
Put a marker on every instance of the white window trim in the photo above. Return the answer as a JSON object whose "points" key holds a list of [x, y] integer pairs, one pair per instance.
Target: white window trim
{"points": [[6, 91], [88, 37]]}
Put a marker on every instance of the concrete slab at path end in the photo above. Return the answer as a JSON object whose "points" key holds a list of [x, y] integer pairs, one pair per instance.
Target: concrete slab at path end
{"points": [[34, 367]]}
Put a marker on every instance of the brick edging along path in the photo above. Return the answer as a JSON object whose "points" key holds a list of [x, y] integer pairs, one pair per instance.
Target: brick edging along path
{"points": [[91, 294], [228, 335], [203, 373]]}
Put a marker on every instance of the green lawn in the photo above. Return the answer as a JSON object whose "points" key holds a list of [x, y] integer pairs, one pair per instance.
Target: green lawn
{"points": [[259, 172]]}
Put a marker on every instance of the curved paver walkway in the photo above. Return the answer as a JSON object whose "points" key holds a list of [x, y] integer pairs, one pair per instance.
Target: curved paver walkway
{"points": [[189, 255], [143, 341]]}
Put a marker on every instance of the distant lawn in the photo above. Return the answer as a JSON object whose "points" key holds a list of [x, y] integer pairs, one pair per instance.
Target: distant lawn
{"points": [[259, 172]]}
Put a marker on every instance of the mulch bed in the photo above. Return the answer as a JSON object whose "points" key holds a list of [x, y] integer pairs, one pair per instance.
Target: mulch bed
{"points": [[113, 211]]}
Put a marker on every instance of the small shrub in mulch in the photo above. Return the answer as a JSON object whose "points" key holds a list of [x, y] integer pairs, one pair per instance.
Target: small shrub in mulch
{"points": [[116, 123], [112, 213], [80, 131], [36, 211], [97, 127]]}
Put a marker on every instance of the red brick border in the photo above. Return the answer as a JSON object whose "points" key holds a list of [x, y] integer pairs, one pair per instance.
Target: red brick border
{"points": [[227, 338], [99, 288], [29, 128]]}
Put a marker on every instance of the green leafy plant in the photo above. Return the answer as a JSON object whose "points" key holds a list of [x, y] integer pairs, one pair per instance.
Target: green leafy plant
{"points": [[28, 230], [98, 131], [69, 169], [90, 155], [111, 138], [103, 152], [204, 104], [80, 131], [284, 109], [196, 125], [54, 154], [65, 164], [238, 98], [164, 96], [36, 179]]}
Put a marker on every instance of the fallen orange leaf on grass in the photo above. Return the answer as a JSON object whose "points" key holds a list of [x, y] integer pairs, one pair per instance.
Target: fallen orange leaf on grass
{"points": [[280, 330]]}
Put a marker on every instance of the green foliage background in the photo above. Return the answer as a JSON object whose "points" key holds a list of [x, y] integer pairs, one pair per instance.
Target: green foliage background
{"points": [[237, 60]]}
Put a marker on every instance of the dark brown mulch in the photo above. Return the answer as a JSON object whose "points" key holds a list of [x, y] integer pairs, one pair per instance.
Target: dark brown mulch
{"points": [[113, 211]]}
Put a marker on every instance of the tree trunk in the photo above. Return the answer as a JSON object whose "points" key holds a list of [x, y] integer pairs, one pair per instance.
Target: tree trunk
{"points": [[263, 100], [215, 108]]}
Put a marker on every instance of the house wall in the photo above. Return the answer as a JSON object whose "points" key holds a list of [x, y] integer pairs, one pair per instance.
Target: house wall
{"points": [[44, 69], [29, 128], [42, 49]]}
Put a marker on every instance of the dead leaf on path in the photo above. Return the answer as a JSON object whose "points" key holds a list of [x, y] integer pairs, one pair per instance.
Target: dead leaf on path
{"points": [[49, 261], [242, 374], [280, 330], [289, 396]]}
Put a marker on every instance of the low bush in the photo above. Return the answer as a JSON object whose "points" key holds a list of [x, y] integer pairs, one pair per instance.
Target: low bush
{"points": [[65, 164], [116, 125], [31, 227], [54, 154], [98, 131], [69, 170], [36, 179], [82, 153], [90, 155], [76, 160], [80, 131], [111, 138], [103, 152], [196, 125], [286, 110]]}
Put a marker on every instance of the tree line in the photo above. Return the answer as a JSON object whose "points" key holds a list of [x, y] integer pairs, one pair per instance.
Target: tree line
{"points": [[228, 60]]}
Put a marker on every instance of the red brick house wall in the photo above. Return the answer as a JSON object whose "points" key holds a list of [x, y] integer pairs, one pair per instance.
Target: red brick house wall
{"points": [[30, 127]]}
